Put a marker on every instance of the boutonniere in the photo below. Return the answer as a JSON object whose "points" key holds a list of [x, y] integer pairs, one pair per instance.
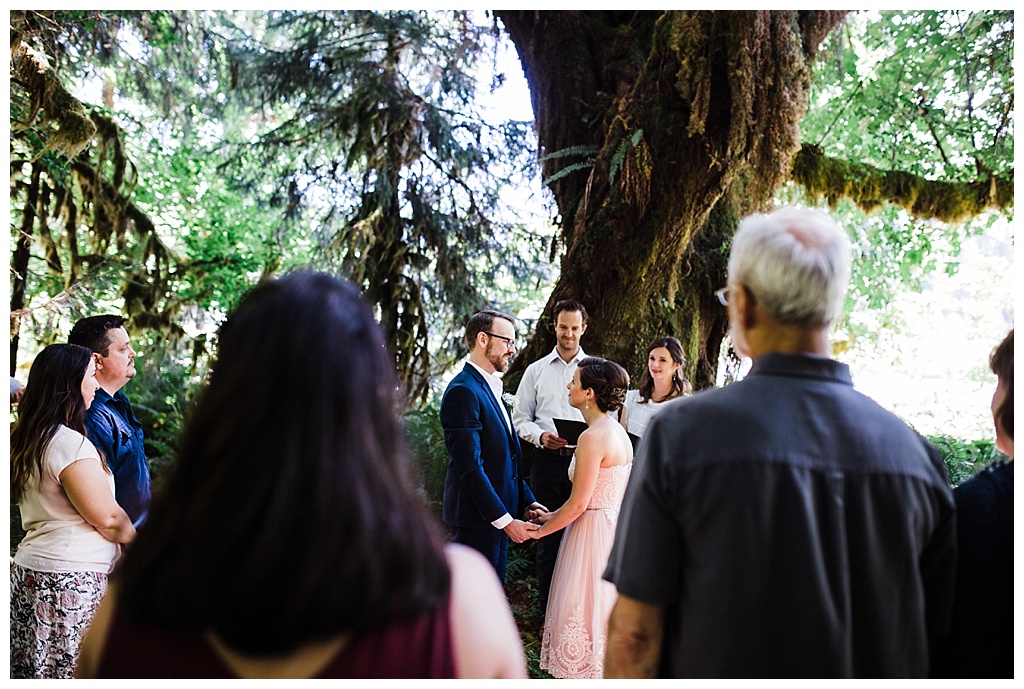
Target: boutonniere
{"points": [[510, 400]]}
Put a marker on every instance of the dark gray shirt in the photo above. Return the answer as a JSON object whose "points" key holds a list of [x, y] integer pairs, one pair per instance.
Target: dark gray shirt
{"points": [[791, 527]]}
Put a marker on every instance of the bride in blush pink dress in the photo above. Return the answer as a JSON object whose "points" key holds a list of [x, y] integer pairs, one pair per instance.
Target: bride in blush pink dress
{"points": [[576, 621]]}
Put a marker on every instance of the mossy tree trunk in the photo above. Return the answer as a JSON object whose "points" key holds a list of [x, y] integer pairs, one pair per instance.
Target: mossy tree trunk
{"points": [[693, 117], [19, 260]]}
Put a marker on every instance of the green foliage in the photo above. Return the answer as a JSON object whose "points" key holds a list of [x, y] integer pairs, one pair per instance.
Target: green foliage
{"points": [[909, 108], [588, 153], [893, 253], [161, 394], [237, 144], [571, 152], [378, 142], [142, 222], [926, 92], [225, 238], [520, 561], [521, 591], [426, 441], [620, 154], [346, 141], [567, 170], [965, 458]]}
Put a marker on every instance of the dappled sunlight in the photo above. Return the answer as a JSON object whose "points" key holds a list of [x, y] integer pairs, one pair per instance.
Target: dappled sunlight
{"points": [[933, 371]]}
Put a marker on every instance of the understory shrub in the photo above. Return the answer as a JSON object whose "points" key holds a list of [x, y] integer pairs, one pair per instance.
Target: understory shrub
{"points": [[426, 441], [161, 393], [965, 458]]}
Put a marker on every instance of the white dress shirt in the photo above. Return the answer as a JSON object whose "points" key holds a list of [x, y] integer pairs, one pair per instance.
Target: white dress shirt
{"points": [[494, 383], [544, 395]]}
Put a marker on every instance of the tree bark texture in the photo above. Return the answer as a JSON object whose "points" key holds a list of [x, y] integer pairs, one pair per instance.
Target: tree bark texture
{"points": [[694, 119], [19, 261]]}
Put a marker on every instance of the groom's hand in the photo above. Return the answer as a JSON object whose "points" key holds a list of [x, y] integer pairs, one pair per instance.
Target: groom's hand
{"points": [[519, 530], [537, 513]]}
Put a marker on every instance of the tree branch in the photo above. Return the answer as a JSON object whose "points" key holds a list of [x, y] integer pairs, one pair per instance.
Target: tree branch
{"points": [[870, 187]]}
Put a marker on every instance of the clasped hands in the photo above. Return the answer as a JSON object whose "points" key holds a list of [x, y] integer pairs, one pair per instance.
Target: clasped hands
{"points": [[519, 530]]}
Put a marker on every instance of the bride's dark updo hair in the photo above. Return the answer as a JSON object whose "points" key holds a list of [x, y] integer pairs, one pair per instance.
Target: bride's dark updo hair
{"points": [[607, 379]]}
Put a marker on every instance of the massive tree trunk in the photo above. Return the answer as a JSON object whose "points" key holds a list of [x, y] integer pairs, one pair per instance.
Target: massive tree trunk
{"points": [[692, 119]]}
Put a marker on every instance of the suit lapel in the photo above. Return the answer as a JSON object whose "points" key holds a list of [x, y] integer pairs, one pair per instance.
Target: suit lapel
{"points": [[509, 430]]}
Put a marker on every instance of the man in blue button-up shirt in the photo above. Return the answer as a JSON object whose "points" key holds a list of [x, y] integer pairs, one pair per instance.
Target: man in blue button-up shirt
{"points": [[110, 421]]}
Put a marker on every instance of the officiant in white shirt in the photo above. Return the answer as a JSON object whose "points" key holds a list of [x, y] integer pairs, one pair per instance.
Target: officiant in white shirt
{"points": [[542, 398]]}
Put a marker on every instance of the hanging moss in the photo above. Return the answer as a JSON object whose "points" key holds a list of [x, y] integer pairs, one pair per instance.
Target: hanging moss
{"points": [[869, 187], [48, 97], [698, 91]]}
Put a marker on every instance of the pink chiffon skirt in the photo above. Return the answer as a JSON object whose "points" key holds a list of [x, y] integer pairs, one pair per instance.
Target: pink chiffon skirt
{"points": [[576, 622]]}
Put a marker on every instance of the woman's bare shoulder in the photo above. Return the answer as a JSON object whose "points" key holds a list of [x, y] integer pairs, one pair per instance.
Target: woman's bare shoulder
{"points": [[486, 640]]}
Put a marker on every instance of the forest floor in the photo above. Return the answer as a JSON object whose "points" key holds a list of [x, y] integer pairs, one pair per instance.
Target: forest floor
{"points": [[521, 592]]}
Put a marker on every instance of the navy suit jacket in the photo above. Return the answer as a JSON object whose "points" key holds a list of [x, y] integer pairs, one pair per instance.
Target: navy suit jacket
{"points": [[485, 461]]}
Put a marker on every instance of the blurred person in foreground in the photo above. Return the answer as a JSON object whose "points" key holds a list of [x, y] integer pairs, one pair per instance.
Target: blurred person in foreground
{"points": [[290, 539], [784, 525], [17, 390], [980, 643], [74, 528]]}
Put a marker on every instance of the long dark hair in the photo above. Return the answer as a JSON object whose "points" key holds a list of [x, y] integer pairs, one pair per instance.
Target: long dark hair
{"points": [[291, 514], [680, 385], [52, 398]]}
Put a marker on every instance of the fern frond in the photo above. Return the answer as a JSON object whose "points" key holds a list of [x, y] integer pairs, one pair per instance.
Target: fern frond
{"points": [[569, 169], [571, 151]]}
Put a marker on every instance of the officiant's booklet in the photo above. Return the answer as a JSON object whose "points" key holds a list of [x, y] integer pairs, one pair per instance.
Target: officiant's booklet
{"points": [[570, 430]]}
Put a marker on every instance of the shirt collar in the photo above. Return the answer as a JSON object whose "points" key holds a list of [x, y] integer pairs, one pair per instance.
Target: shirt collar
{"points": [[102, 395], [119, 399], [579, 356], [801, 366], [493, 381]]}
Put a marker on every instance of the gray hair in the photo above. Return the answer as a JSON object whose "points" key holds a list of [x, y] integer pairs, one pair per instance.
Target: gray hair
{"points": [[796, 262]]}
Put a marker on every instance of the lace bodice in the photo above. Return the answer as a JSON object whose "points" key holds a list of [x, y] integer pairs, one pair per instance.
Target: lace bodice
{"points": [[611, 485]]}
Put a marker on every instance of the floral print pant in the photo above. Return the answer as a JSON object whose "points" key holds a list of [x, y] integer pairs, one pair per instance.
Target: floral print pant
{"points": [[50, 612]]}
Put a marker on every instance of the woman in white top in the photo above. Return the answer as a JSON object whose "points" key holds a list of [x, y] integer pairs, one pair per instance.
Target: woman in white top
{"points": [[74, 527], [663, 381]]}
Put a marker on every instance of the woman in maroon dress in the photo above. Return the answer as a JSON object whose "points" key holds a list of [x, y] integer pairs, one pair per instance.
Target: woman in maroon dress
{"points": [[290, 539]]}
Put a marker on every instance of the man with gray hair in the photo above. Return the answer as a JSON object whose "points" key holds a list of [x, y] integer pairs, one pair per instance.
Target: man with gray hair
{"points": [[784, 525]]}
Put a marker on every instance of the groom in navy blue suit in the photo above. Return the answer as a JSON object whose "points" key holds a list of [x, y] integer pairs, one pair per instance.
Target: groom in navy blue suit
{"points": [[485, 486]]}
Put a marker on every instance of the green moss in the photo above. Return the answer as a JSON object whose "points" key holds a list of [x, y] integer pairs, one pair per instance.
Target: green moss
{"points": [[870, 188], [47, 96]]}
